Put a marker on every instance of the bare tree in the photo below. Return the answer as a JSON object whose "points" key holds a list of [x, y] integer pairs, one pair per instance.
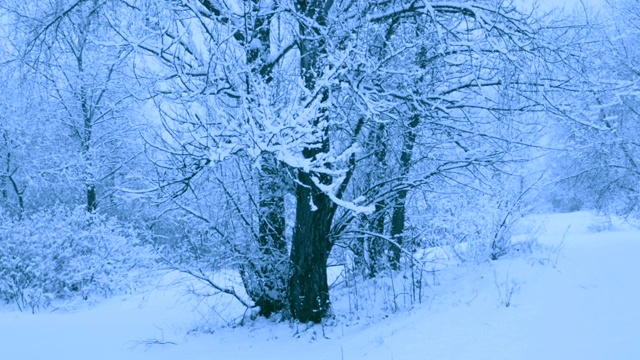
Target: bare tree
{"points": [[68, 50], [597, 168]]}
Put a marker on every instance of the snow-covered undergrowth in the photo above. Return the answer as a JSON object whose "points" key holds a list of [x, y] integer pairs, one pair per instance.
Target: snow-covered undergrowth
{"points": [[573, 297], [62, 255]]}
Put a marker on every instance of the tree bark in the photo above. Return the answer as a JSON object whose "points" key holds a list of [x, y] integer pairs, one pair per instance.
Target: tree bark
{"points": [[92, 203], [308, 288], [375, 245], [398, 216], [266, 277], [3, 177], [268, 291]]}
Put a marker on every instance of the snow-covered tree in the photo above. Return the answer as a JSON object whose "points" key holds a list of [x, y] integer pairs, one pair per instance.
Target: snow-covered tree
{"points": [[286, 127], [68, 53], [598, 169], [303, 89]]}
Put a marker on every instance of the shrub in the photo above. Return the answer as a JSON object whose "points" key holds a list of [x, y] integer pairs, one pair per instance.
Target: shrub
{"points": [[65, 254]]}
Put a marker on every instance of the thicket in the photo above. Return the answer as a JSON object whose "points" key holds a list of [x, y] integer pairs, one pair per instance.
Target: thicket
{"points": [[63, 254]]}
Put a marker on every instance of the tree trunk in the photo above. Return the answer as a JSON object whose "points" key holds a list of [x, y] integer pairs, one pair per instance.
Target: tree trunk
{"points": [[3, 177], [374, 245], [92, 203], [398, 217], [265, 278], [271, 271], [311, 245], [87, 137], [308, 286]]}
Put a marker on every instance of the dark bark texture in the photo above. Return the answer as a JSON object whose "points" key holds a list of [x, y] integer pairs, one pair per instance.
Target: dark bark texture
{"points": [[308, 288], [266, 278], [399, 214]]}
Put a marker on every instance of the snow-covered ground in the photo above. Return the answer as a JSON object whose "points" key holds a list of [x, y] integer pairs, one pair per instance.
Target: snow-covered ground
{"points": [[580, 303]]}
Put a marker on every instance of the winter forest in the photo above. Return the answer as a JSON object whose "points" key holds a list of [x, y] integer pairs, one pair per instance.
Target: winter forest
{"points": [[304, 164]]}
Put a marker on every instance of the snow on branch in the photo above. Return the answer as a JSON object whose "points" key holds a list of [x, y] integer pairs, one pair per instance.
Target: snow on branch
{"points": [[330, 191]]}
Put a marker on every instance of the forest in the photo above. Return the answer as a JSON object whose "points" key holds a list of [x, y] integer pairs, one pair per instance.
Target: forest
{"points": [[278, 152]]}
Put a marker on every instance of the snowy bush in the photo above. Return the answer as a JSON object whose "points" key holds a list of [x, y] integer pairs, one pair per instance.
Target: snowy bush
{"points": [[65, 254], [475, 227]]}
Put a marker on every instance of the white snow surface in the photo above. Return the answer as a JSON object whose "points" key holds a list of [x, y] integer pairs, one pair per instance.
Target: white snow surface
{"points": [[582, 302]]}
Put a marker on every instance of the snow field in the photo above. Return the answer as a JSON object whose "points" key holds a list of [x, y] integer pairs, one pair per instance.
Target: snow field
{"points": [[582, 302]]}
